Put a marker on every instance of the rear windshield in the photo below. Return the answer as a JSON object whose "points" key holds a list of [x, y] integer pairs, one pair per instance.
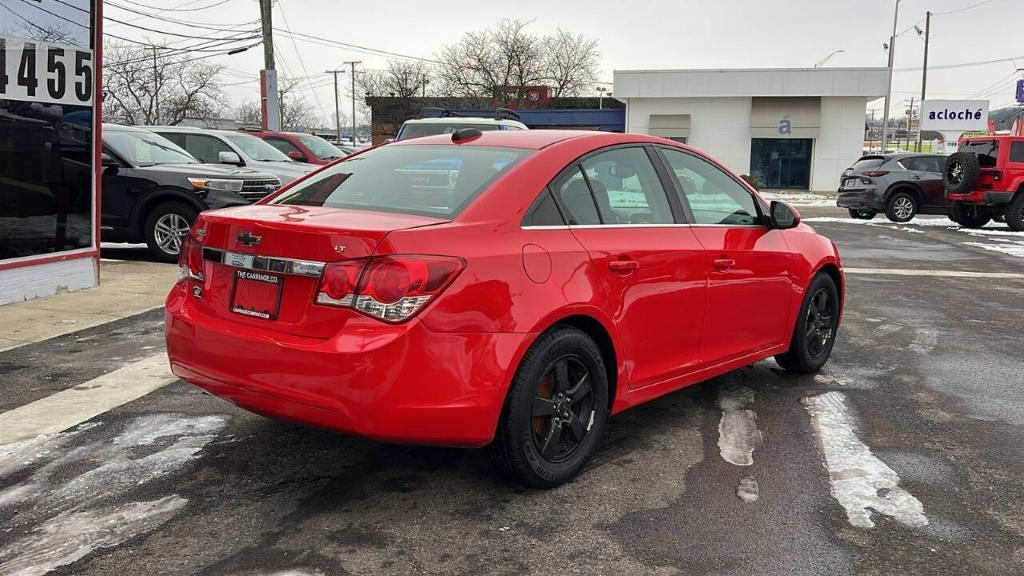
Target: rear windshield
{"points": [[986, 150], [434, 128], [868, 162], [427, 180]]}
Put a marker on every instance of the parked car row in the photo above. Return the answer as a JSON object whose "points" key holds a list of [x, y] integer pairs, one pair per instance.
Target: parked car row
{"points": [[157, 179], [981, 182]]}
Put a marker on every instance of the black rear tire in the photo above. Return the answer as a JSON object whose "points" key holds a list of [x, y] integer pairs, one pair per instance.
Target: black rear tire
{"points": [[816, 326], [1015, 212], [970, 215], [535, 414], [961, 172], [901, 207], [163, 222], [862, 214]]}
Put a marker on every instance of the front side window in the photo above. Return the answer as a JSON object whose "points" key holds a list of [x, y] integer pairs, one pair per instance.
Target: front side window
{"points": [[282, 145], [714, 196], [319, 147], [626, 188], [429, 180]]}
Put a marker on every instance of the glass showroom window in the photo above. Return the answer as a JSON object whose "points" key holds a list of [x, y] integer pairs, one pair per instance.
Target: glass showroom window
{"points": [[47, 79]]}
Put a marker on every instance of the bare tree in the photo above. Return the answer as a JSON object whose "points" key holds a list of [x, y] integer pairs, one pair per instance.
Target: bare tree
{"points": [[401, 79], [145, 86], [249, 114], [570, 63], [489, 62], [296, 111]]}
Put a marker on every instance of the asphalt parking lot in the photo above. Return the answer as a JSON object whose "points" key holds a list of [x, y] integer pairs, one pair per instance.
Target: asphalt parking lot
{"points": [[904, 456]]}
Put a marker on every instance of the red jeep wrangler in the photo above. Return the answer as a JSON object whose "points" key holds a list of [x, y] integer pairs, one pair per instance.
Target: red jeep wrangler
{"points": [[985, 181]]}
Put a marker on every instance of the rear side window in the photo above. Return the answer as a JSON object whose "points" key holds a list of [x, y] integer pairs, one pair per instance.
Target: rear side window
{"points": [[987, 152], [575, 196], [1017, 152], [626, 188], [428, 180], [544, 212]]}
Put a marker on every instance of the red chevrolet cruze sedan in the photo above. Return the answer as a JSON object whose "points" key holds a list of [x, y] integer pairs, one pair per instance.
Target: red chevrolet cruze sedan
{"points": [[510, 289]]}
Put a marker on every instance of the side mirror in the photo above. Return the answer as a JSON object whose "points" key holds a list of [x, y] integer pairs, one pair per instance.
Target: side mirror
{"points": [[110, 165], [229, 158], [783, 216], [297, 156]]}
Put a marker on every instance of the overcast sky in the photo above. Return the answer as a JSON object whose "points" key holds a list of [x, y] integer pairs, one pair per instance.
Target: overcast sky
{"points": [[643, 34]]}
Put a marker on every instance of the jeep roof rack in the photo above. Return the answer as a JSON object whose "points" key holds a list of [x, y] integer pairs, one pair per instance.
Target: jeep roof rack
{"points": [[506, 114], [441, 112]]}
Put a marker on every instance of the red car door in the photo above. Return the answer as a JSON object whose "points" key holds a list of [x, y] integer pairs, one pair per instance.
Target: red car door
{"points": [[650, 266], [749, 287]]}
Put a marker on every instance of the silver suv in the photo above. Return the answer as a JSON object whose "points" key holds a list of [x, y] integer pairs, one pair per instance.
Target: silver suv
{"points": [[900, 185], [234, 148]]}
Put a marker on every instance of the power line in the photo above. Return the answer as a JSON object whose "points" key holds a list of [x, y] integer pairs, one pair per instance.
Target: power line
{"points": [[123, 23], [964, 9], [215, 4], [355, 47], [214, 27], [961, 65], [302, 62]]}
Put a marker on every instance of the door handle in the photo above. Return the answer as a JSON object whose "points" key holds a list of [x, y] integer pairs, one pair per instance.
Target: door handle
{"points": [[723, 264], [623, 265]]}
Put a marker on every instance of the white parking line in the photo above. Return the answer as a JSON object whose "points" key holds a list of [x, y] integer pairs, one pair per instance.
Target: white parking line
{"points": [[938, 273], [73, 406], [861, 483]]}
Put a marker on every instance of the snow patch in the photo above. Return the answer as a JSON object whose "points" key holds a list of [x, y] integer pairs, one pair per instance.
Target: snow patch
{"points": [[747, 490], [72, 517], [861, 483], [738, 435], [66, 538], [1014, 249]]}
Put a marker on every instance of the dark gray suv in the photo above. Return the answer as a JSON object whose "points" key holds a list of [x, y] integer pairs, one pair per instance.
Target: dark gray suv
{"points": [[901, 185]]}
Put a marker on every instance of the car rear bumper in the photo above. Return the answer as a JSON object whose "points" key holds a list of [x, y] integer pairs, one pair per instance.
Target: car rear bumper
{"points": [[405, 384], [988, 198], [859, 199]]}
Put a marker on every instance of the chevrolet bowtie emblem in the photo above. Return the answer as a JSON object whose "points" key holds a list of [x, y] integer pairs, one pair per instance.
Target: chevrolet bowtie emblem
{"points": [[248, 239]]}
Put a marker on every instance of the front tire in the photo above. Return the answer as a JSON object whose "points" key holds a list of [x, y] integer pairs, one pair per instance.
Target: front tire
{"points": [[815, 332], [970, 215], [164, 228], [555, 411], [901, 207]]}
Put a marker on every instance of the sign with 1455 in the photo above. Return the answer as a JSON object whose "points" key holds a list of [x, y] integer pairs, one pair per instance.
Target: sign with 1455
{"points": [[37, 71]]}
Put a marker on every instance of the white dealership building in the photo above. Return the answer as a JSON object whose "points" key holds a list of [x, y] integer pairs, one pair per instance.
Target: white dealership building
{"points": [[793, 128]]}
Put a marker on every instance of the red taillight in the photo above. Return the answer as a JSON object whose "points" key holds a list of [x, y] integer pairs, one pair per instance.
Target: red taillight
{"points": [[876, 173], [390, 288], [190, 258]]}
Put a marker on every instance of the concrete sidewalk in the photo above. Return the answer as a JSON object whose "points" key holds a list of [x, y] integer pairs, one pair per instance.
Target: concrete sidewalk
{"points": [[126, 289]]}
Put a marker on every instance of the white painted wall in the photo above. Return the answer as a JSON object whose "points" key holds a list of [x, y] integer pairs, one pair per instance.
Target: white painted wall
{"points": [[840, 142], [718, 126], [19, 284]]}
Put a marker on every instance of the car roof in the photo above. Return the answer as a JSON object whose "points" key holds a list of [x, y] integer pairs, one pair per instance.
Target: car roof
{"points": [[463, 120], [534, 139], [122, 128]]}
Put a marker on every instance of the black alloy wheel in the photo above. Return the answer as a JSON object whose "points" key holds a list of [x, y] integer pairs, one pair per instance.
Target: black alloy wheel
{"points": [[555, 411], [563, 409], [816, 327], [819, 322]]}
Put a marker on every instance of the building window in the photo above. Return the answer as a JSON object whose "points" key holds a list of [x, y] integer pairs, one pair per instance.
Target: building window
{"points": [[781, 163], [46, 149]]}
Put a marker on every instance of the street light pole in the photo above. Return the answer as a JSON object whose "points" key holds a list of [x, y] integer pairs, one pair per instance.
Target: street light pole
{"points": [[888, 90], [924, 74], [825, 59], [353, 63]]}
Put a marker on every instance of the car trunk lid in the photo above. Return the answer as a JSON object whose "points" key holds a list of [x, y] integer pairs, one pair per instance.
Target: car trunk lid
{"points": [[262, 263]]}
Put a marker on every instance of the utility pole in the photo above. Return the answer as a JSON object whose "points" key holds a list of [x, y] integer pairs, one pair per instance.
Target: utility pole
{"points": [[924, 73], [156, 90], [353, 63], [270, 99], [337, 109], [910, 121], [888, 90]]}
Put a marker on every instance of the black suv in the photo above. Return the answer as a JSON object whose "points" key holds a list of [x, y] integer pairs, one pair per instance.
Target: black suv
{"points": [[901, 185], [153, 190]]}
